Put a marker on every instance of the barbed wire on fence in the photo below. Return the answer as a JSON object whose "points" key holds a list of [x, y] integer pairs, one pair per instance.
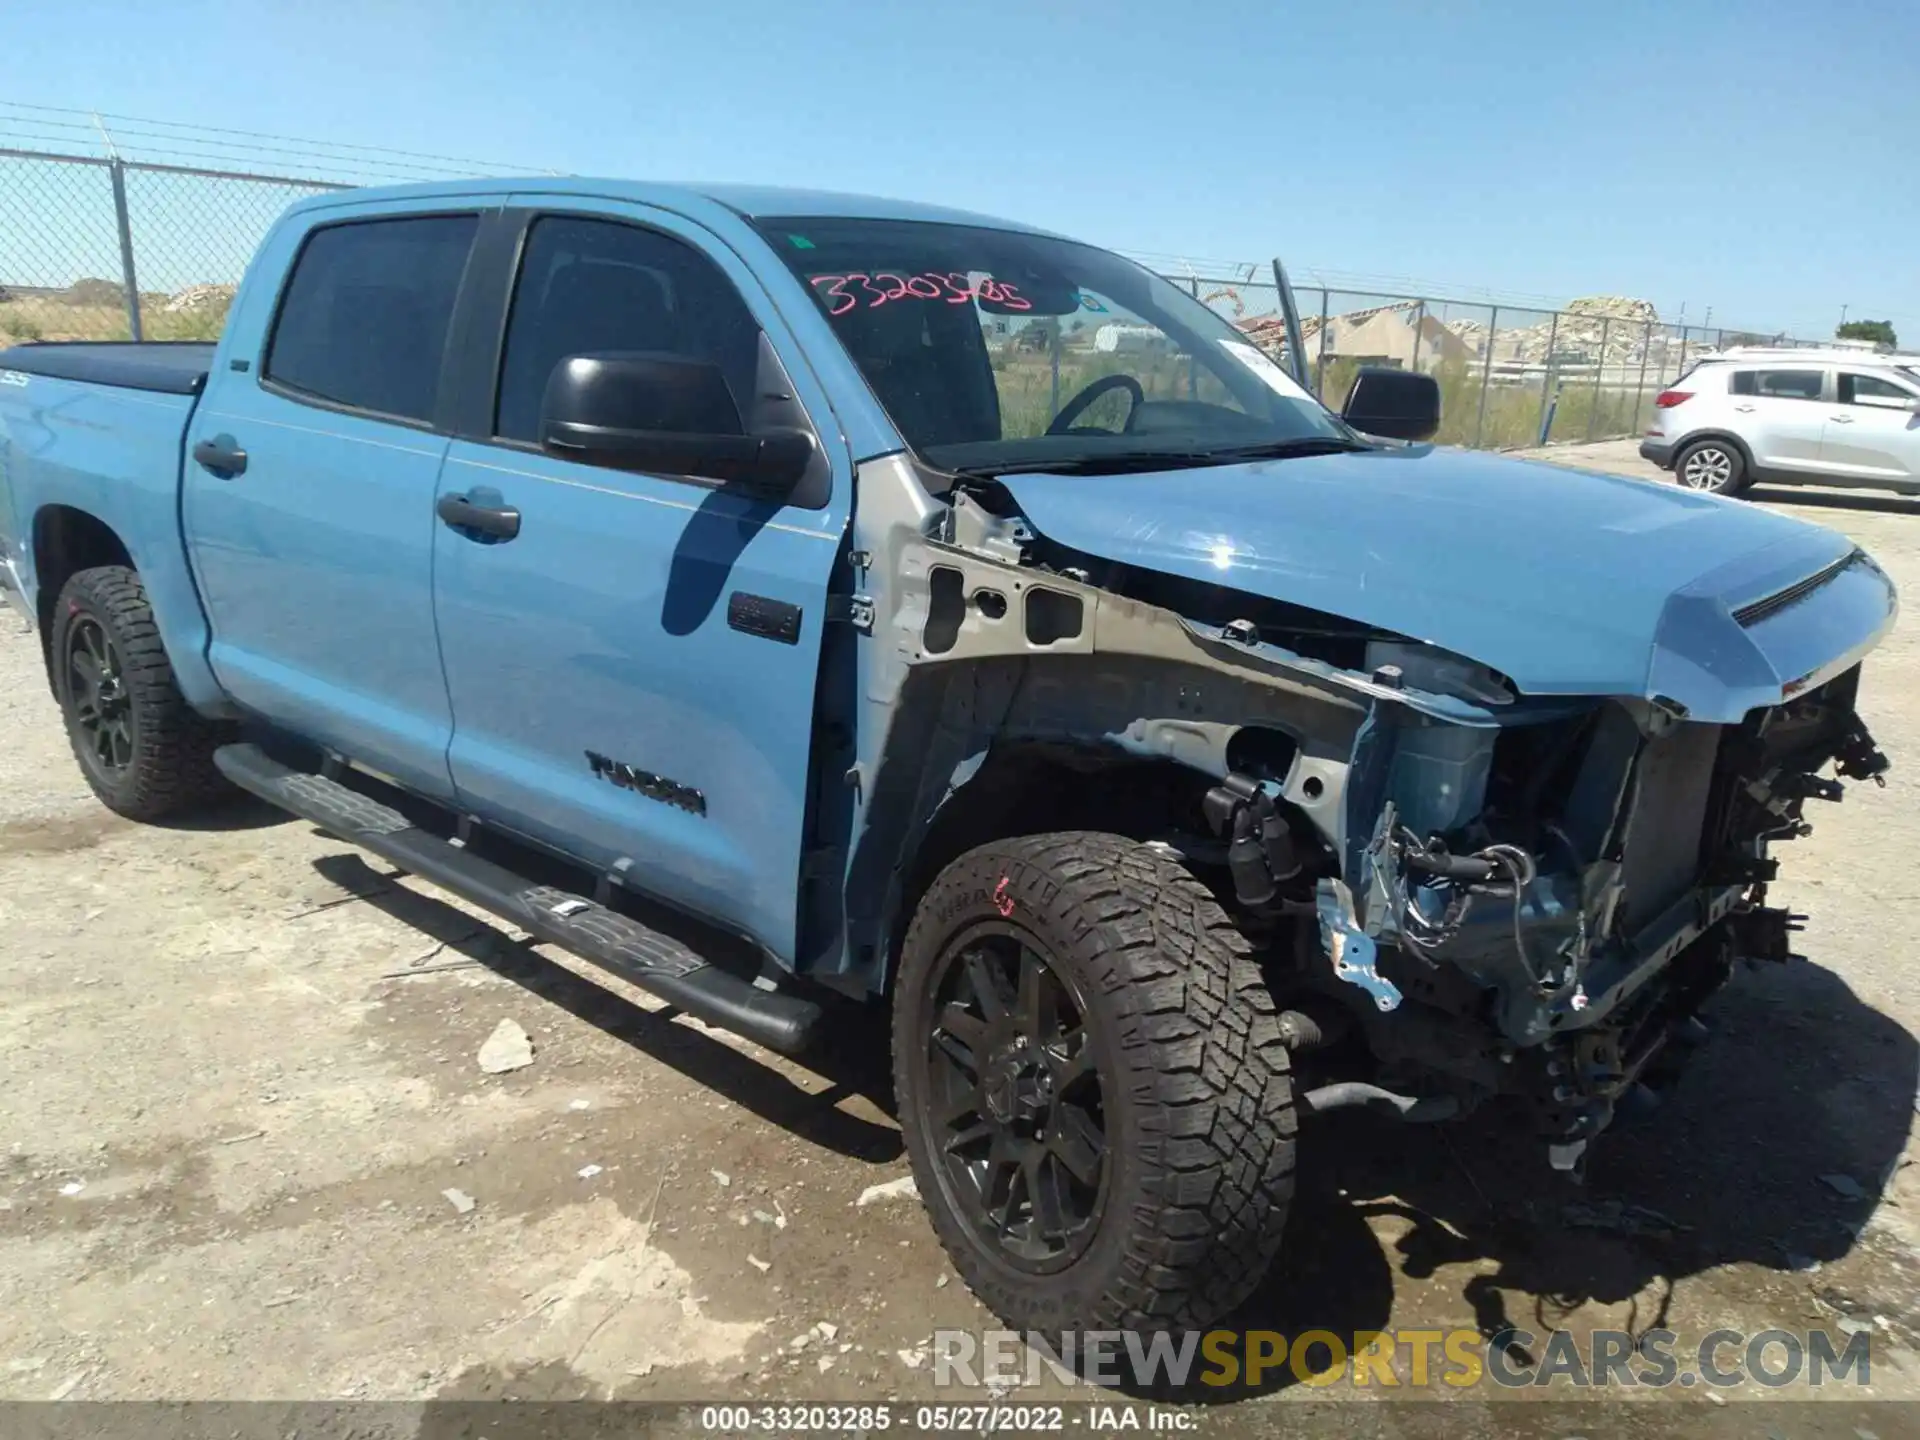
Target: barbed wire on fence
{"points": [[114, 227]]}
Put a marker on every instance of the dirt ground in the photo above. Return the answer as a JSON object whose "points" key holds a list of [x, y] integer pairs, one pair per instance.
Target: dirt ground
{"points": [[238, 1081]]}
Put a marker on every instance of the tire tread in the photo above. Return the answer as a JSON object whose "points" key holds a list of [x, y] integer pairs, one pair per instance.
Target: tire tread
{"points": [[1217, 1122]]}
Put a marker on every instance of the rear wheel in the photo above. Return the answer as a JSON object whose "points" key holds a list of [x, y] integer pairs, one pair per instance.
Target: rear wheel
{"points": [[145, 752], [1092, 1085], [1712, 465]]}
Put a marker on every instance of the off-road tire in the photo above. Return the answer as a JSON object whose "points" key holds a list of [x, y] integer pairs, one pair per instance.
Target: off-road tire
{"points": [[171, 768], [1711, 456], [1200, 1126]]}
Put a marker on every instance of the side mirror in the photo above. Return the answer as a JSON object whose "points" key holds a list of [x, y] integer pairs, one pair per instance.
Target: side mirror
{"points": [[1397, 404], [666, 414]]}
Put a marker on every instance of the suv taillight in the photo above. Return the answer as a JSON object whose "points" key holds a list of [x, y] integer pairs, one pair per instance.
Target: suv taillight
{"points": [[1667, 399]]}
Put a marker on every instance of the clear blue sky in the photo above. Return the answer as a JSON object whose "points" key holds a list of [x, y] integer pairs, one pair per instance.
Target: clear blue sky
{"points": [[1760, 157]]}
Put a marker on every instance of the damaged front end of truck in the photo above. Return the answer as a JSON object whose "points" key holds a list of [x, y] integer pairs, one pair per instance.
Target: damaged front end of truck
{"points": [[1503, 832]]}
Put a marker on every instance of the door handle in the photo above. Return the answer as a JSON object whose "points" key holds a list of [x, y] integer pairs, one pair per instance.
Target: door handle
{"points": [[1744, 409], [1841, 419], [222, 455], [502, 522]]}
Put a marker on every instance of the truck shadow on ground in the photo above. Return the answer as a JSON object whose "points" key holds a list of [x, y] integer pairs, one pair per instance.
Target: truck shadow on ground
{"points": [[1772, 1152], [764, 1089]]}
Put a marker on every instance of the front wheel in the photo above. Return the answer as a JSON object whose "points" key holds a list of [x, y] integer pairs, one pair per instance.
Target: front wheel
{"points": [[1093, 1087], [1715, 466]]}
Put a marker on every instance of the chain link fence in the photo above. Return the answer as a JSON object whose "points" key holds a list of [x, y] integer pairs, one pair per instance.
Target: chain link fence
{"points": [[99, 249], [107, 248]]}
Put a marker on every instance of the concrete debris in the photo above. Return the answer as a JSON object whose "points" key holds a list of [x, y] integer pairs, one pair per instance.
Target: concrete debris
{"points": [[73, 1187], [761, 1265], [941, 1283], [826, 1330], [67, 1386], [721, 1178], [901, 1189], [826, 1363], [579, 1104], [1844, 1185], [913, 1358], [800, 1342], [459, 1199], [200, 299], [508, 1048], [587, 1172]]}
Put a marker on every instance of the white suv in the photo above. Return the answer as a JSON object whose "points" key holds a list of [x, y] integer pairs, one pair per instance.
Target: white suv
{"points": [[1815, 418]]}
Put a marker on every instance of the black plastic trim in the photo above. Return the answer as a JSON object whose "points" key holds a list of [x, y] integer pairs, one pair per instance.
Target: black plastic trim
{"points": [[764, 616], [160, 367], [477, 337], [1760, 609]]}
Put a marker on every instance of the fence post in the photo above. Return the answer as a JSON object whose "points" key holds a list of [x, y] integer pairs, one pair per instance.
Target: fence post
{"points": [[1419, 323], [1193, 376], [1681, 368], [1640, 385], [1320, 360], [1546, 378], [1486, 377], [1600, 365], [118, 170]]}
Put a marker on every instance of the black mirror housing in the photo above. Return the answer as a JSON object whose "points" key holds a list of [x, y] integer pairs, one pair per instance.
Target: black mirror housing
{"points": [[1395, 404], [662, 413]]}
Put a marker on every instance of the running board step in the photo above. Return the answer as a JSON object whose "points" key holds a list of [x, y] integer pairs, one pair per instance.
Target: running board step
{"points": [[616, 942]]}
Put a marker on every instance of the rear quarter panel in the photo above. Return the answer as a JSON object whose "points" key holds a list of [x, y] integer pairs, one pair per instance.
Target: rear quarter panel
{"points": [[114, 454]]}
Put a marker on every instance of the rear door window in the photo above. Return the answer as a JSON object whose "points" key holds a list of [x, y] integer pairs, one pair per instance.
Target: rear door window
{"points": [[1779, 384], [363, 323], [1872, 390]]}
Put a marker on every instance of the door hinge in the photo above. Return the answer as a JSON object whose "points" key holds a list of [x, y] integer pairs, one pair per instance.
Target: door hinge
{"points": [[856, 610]]}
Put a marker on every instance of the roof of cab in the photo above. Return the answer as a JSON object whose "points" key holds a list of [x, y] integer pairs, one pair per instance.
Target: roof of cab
{"points": [[751, 201]]}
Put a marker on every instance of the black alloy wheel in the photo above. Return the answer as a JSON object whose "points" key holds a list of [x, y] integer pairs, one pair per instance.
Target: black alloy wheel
{"points": [[1014, 1095], [102, 707]]}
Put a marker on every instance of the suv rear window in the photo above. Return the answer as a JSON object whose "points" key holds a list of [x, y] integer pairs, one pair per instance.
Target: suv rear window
{"points": [[363, 323], [1780, 384]]}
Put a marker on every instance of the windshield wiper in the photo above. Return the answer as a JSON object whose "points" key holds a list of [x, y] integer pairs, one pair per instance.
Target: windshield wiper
{"points": [[1291, 449], [1119, 462], [1122, 462]]}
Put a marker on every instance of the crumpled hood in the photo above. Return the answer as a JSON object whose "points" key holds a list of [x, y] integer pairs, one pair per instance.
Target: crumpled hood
{"points": [[1567, 581]]}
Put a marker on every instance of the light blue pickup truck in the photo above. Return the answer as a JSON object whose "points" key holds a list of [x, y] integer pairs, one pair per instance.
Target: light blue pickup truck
{"points": [[961, 616]]}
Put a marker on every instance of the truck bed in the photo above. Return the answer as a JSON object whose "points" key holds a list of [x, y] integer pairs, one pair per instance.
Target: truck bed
{"points": [[171, 367]]}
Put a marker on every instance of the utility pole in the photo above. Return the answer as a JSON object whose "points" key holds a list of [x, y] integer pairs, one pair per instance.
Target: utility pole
{"points": [[1843, 319]]}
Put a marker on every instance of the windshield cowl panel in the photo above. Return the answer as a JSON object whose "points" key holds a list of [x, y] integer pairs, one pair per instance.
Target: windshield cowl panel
{"points": [[993, 350]]}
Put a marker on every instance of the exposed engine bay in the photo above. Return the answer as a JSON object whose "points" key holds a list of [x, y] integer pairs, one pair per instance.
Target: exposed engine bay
{"points": [[1489, 893]]}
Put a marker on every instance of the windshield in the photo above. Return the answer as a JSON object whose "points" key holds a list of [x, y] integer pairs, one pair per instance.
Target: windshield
{"points": [[994, 350]]}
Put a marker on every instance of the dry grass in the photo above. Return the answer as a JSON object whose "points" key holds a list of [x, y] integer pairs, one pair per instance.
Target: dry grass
{"points": [[29, 319]]}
